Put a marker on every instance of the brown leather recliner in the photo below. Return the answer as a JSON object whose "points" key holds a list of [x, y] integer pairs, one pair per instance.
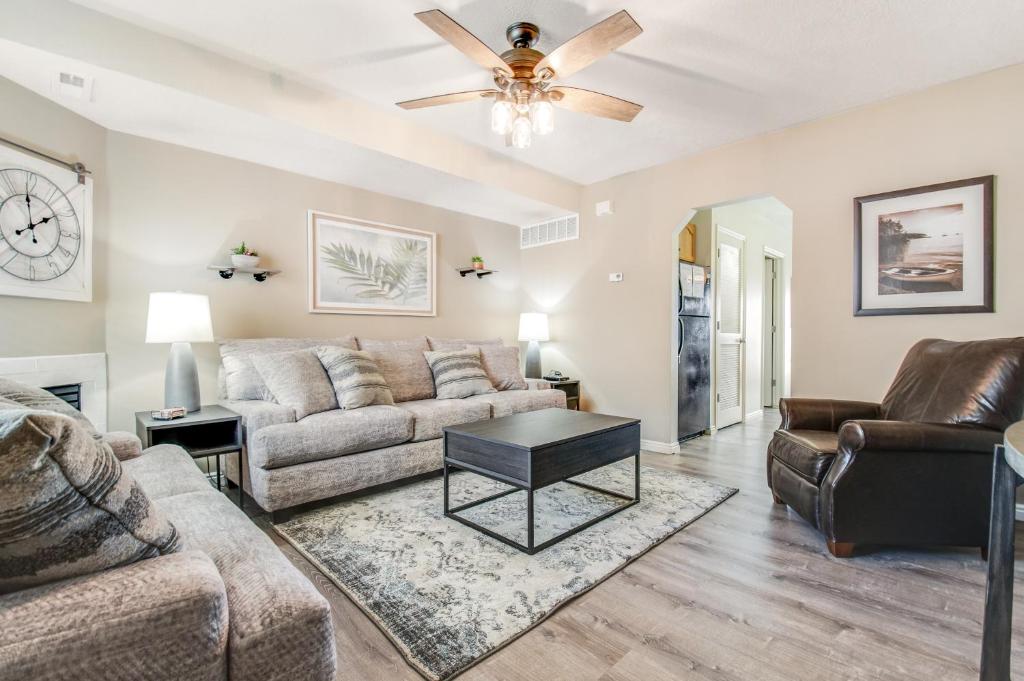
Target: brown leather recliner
{"points": [[915, 469]]}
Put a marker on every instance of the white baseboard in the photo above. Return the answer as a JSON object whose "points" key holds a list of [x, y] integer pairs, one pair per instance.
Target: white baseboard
{"points": [[659, 447], [755, 414]]}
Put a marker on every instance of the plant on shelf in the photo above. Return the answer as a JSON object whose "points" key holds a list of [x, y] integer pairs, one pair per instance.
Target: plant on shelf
{"points": [[243, 256], [478, 262]]}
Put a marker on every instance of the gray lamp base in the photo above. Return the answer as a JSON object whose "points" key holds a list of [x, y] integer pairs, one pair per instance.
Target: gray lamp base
{"points": [[533, 360], [181, 380]]}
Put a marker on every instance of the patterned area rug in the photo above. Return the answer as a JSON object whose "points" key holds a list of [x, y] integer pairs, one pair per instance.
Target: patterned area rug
{"points": [[447, 595]]}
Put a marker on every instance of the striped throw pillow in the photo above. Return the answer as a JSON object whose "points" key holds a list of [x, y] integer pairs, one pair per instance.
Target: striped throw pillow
{"points": [[356, 378], [458, 374], [68, 508]]}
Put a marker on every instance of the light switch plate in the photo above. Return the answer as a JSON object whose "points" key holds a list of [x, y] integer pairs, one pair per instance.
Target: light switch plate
{"points": [[615, 276]]}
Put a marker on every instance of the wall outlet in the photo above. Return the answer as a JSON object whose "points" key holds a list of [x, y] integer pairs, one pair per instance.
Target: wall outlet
{"points": [[604, 208], [615, 276]]}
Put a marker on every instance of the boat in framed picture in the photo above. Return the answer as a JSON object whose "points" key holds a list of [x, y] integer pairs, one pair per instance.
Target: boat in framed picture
{"points": [[363, 267], [926, 250]]}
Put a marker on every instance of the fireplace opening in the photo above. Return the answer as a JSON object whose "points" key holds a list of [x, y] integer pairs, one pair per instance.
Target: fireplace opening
{"points": [[71, 393]]}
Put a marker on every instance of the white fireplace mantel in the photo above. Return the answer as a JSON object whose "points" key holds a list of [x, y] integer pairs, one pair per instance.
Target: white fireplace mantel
{"points": [[88, 370]]}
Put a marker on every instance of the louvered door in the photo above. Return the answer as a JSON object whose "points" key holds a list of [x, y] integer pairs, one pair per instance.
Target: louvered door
{"points": [[729, 330]]}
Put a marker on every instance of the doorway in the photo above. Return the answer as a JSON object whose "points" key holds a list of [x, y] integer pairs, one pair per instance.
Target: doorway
{"points": [[729, 327], [771, 329]]}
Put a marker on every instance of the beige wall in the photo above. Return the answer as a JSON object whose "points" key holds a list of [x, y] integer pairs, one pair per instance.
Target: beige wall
{"points": [[617, 337], [173, 211], [35, 326]]}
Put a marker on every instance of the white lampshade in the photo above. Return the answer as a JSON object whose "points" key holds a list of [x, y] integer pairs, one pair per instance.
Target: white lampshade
{"points": [[533, 326], [179, 318]]}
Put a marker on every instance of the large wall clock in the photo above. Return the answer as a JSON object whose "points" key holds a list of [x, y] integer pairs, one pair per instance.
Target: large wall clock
{"points": [[45, 229]]}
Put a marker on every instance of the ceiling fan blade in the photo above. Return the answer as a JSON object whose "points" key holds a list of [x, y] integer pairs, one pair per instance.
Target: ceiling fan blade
{"points": [[451, 98], [587, 47], [464, 41], [594, 103]]}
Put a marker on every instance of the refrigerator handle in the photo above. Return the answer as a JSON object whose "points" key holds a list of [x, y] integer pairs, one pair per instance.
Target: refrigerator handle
{"points": [[679, 350]]}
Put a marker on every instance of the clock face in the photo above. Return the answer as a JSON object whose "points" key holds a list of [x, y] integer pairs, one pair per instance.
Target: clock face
{"points": [[40, 231]]}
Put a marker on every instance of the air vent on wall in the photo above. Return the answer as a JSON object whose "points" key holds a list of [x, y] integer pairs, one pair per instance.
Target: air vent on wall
{"points": [[560, 229], [73, 86]]}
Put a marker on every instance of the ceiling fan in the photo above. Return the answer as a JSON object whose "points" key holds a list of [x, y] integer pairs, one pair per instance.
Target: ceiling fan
{"points": [[523, 76]]}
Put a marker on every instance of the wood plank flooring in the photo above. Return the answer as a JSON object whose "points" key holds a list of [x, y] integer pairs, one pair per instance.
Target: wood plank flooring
{"points": [[747, 592]]}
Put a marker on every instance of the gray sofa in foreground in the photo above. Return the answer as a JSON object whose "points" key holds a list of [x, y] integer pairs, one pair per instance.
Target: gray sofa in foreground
{"points": [[296, 461], [230, 606]]}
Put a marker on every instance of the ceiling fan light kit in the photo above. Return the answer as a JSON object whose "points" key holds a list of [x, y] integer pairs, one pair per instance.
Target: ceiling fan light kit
{"points": [[524, 97]]}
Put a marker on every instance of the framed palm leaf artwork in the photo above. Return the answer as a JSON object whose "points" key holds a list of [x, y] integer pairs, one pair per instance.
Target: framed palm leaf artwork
{"points": [[362, 267]]}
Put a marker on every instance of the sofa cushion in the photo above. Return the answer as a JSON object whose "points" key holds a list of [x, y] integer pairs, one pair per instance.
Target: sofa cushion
{"points": [[519, 401], [444, 344], [242, 381], [280, 625], [356, 378], [808, 452], [297, 379], [166, 470], [36, 398], [501, 362], [433, 415], [458, 374], [68, 508], [329, 434], [403, 365]]}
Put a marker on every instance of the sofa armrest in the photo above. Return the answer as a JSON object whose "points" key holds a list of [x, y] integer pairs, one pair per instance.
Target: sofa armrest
{"points": [[124, 445], [258, 414], [908, 436], [160, 618], [816, 414], [537, 384]]}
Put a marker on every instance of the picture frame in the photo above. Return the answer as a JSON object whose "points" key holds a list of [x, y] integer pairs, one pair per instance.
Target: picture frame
{"points": [[370, 268], [925, 250]]}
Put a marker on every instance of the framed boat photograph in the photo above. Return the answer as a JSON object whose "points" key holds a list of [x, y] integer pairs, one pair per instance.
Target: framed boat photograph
{"points": [[362, 267], [926, 250]]}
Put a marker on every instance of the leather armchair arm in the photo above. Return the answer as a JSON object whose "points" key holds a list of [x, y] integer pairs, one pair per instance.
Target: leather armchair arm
{"points": [[909, 436], [815, 414]]}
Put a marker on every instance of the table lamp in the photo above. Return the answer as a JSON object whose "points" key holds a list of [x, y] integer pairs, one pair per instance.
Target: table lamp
{"points": [[533, 327], [180, 319]]}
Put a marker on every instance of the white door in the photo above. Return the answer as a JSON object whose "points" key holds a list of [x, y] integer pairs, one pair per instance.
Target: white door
{"points": [[771, 318], [729, 329]]}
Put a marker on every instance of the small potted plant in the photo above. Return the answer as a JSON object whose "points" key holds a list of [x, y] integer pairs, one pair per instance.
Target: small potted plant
{"points": [[478, 262], [243, 256]]}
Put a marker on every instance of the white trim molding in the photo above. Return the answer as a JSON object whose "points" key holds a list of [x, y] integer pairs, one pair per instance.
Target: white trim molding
{"points": [[756, 414], [90, 371], [659, 447]]}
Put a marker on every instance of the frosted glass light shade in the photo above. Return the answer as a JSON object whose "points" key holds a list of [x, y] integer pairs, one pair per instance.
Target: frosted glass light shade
{"points": [[179, 318], [501, 116], [521, 132], [543, 116], [533, 326]]}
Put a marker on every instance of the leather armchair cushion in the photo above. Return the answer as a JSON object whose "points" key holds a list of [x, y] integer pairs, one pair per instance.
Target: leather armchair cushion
{"points": [[977, 382], [922, 437], [816, 414], [808, 452]]}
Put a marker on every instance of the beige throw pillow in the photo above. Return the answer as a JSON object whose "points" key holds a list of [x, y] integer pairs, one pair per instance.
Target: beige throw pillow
{"points": [[356, 378], [458, 374], [298, 380], [502, 366], [242, 381], [404, 368], [68, 508]]}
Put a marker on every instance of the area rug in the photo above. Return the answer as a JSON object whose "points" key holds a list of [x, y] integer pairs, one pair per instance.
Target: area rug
{"points": [[447, 595]]}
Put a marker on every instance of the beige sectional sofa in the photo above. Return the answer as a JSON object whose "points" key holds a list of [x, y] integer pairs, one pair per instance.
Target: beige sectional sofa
{"points": [[296, 461]]}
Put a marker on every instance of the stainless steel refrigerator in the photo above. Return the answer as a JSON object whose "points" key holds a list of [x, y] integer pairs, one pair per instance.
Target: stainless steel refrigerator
{"points": [[693, 353]]}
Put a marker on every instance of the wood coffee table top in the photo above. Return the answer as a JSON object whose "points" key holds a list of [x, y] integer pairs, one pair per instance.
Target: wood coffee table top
{"points": [[539, 429]]}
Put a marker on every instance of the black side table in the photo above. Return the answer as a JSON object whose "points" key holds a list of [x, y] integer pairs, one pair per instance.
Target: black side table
{"points": [[211, 431], [571, 390]]}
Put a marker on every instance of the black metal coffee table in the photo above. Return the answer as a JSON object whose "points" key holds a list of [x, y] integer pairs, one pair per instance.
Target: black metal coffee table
{"points": [[534, 450]]}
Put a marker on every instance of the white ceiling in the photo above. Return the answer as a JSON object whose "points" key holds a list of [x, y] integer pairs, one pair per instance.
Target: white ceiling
{"points": [[708, 72]]}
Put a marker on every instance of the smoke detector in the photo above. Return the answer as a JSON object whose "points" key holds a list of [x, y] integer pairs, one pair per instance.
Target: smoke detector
{"points": [[68, 85]]}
